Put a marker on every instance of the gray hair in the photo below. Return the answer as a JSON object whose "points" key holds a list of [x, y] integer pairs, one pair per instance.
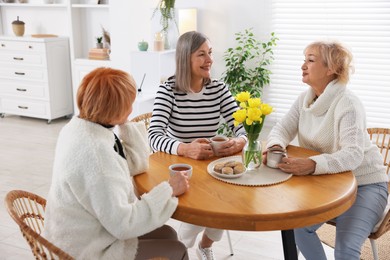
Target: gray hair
{"points": [[187, 44]]}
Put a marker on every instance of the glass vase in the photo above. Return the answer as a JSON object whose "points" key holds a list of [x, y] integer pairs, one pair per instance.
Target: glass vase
{"points": [[252, 153], [167, 44]]}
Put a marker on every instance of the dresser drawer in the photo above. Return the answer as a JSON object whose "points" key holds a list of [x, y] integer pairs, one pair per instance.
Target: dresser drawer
{"points": [[22, 46], [24, 107], [23, 73], [22, 58], [23, 89]]}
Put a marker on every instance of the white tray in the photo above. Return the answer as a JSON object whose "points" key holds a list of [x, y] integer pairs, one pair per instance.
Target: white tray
{"points": [[262, 176]]}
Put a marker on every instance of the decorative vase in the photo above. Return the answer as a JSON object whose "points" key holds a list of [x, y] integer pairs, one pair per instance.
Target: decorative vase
{"points": [[167, 45], [252, 156], [18, 27], [159, 41], [143, 45]]}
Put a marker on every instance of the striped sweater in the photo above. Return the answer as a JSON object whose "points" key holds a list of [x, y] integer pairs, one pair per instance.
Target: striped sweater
{"points": [[180, 117]]}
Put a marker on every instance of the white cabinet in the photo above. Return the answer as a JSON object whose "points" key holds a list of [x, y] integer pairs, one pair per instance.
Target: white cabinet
{"points": [[150, 68], [35, 78]]}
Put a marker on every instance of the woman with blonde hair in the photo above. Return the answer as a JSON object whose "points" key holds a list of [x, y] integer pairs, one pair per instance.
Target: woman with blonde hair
{"points": [[92, 210], [330, 119]]}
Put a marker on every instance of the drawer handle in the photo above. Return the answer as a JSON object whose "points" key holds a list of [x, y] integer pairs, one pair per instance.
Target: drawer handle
{"points": [[30, 46], [20, 73], [2, 45], [22, 107], [21, 89], [16, 58]]}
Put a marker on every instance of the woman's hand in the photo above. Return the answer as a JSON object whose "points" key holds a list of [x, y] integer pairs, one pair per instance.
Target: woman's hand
{"points": [[297, 166], [233, 146], [179, 183], [199, 149]]}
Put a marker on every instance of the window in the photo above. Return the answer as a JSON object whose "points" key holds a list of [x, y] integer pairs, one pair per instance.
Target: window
{"points": [[363, 26]]}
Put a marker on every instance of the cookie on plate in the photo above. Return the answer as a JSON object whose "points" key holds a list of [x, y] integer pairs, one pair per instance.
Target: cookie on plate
{"points": [[239, 168], [231, 164], [218, 167], [227, 170]]}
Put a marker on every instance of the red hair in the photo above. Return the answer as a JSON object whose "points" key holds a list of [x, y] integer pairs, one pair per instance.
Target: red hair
{"points": [[105, 94]]}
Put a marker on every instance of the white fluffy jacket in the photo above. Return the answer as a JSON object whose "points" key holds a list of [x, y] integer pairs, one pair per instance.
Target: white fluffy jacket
{"points": [[335, 126], [92, 211]]}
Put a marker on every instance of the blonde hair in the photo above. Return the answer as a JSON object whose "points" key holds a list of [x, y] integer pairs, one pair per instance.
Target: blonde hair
{"points": [[105, 94], [336, 57], [187, 44]]}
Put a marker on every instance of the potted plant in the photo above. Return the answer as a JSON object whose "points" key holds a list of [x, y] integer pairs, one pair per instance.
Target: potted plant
{"points": [[99, 42], [246, 64], [246, 67], [167, 10]]}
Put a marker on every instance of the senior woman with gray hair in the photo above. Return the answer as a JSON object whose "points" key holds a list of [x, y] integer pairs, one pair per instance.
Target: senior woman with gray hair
{"points": [[187, 112]]}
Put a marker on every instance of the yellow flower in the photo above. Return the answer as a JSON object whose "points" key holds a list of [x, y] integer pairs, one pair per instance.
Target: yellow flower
{"points": [[266, 109], [243, 104], [254, 102], [254, 114], [251, 115], [239, 116], [243, 96]]}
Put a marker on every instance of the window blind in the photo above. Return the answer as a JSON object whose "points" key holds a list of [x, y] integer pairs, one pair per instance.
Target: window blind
{"points": [[363, 26]]}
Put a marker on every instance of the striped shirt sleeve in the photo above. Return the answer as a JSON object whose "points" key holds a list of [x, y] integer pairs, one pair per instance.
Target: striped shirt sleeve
{"points": [[180, 117]]}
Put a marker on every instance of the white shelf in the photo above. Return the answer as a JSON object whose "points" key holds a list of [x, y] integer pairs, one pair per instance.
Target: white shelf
{"points": [[89, 6], [33, 5], [89, 62]]}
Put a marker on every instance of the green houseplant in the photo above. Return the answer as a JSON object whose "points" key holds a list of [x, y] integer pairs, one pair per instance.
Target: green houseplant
{"points": [[246, 64], [99, 42], [167, 11], [246, 67]]}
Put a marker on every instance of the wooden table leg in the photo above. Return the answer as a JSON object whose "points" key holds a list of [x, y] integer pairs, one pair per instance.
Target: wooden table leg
{"points": [[289, 247]]}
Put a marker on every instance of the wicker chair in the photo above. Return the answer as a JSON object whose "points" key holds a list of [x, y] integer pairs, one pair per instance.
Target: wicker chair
{"points": [[27, 211], [146, 119], [143, 117], [381, 137]]}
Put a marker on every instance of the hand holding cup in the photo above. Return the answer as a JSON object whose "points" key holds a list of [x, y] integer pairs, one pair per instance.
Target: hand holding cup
{"points": [[275, 156], [179, 175], [217, 143]]}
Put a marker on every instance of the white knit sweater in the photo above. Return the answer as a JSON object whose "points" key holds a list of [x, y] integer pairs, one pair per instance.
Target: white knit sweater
{"points": [[335, 126], [92, 211]]}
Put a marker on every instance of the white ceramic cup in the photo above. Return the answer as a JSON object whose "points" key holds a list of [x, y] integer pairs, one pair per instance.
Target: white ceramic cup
{"points": [[275, 156], [217, 142], [178, 167]]}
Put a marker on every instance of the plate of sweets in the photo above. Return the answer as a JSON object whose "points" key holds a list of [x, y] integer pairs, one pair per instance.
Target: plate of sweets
{"points": [[228, 169]]}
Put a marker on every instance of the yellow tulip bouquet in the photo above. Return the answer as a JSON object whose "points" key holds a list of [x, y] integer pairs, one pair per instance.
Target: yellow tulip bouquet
{"points": [[251, 114]]}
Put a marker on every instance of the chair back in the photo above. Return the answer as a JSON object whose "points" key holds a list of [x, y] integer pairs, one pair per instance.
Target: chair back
{"points": [[144, 118], [27, 210], [381, 137]]}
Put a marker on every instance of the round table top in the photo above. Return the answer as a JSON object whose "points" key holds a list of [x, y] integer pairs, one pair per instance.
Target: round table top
{"points": [[300, 201]]}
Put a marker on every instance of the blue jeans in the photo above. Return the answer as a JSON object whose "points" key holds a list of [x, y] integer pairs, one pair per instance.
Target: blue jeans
{"points": [[352, 227]]}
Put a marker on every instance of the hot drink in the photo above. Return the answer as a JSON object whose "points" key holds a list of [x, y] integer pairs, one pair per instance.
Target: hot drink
{"points": [[178, 169], [219, 139]]}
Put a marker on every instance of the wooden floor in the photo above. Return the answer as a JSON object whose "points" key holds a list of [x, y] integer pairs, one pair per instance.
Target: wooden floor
{"points": [[26, 158]]}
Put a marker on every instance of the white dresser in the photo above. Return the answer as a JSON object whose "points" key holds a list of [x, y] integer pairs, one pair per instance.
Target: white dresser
{"points": [[35, 77]]}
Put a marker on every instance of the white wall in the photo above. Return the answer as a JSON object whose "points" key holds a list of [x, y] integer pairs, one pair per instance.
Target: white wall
{"points": [[218, 19]]}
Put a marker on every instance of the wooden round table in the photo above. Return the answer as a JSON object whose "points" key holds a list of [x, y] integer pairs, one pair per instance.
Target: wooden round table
{"points": [[300, 201]]}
